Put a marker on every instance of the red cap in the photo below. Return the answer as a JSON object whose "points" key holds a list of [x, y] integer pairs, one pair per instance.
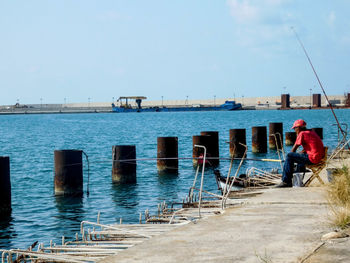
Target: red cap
{"points": [[299, 123]]}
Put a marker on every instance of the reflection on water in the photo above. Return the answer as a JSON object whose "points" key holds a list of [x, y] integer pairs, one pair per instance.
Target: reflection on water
{"points": [[126, 200], [125, 195], [70, 214], [7, 231]]}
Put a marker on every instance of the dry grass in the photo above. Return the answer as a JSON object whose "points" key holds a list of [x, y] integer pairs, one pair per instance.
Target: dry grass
{"points": [[339, 198]]}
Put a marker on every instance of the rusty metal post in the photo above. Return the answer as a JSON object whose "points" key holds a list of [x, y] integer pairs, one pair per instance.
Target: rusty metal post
{"points": [[347, 102], [213, 147], [237, 136], [167, 147], [316, 100], [5, 186], [259, 139], [319, 132], [285, 99], [124, 164], [290, 138], [68, 172], [275, 132], [196, 151]]}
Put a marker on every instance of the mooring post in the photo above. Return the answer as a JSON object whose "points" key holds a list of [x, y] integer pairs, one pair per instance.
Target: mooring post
{"points": [[275, 135], [316, 100], [5, 186], [285, 101], [198, 151], [237, 137], [213, 147], [167, 147], [68, 172], [259, 139], [124, 164], [319, 132], [290, 138]]}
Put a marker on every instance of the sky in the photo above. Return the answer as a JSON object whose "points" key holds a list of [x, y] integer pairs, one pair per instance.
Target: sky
{"points": [[95, 50]]}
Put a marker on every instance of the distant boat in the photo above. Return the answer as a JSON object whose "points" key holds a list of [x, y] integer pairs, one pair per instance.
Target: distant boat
{"points": [[229, 105]]}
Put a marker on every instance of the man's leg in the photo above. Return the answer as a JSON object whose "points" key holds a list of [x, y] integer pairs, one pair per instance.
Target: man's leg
{"points": [[300, 159]]}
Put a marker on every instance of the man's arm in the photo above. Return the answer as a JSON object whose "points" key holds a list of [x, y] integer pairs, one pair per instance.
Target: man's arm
{"points": [[295, 147]]}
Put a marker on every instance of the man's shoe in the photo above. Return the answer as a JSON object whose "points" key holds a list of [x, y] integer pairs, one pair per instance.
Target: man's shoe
{"points": [[283, 185]]}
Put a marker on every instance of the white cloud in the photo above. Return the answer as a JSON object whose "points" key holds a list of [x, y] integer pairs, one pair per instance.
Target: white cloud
{"points": [[32, 69], [260, 22], [331, 18], [112, 16], [243, 11]]}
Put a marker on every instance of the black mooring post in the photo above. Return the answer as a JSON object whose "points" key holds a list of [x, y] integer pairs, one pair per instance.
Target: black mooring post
{"points": [[68, 172], [167, 155], [124, 164], [259, 139], [213, 147], [237, 138], [5, 186]]}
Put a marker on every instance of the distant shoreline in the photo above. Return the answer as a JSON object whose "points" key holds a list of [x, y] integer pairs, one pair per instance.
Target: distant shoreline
{"points": [[109, 110]]}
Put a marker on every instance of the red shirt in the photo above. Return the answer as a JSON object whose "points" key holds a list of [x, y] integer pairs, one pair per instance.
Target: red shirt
{"points": [[312, 145]]}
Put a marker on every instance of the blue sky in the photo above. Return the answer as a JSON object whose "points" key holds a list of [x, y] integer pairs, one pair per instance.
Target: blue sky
{"points": [[100, 49]]}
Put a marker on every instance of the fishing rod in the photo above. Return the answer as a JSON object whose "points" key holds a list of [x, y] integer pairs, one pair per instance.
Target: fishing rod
{"points": [[319, 82]]}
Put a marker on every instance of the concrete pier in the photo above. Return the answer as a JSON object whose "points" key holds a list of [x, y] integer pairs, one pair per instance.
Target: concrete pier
{"points": [[279, 225]]}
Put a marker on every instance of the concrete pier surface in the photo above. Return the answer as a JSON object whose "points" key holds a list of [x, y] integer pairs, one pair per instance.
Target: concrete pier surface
{"points": [[279, 225]]}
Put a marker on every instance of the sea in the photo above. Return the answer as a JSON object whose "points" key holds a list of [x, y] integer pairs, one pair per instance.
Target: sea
{"points": [[30, 142]]}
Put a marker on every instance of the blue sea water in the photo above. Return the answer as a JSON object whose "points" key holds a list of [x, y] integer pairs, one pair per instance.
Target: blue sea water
{"points": [[30, 141]]}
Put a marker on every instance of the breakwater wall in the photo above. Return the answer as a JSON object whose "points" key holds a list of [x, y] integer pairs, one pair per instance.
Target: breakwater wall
{"points": [[271, 102]]}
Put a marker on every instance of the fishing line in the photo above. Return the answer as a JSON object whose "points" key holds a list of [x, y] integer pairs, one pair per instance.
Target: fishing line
{"points": [[319, 81]]}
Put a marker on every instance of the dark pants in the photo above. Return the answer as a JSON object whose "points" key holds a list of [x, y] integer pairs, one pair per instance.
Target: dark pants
{"points": [[301, 159]]}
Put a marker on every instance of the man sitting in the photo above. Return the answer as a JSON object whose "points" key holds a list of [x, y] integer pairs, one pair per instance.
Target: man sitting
{"points": [[313, 152]]}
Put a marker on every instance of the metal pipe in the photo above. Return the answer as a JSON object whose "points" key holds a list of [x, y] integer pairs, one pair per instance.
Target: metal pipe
{"points": [[259, 139], [124, 164], [197, 152], [202, 178], [5, 186], [319, 132], [290, 138], [167, 147], [274, 128], [68, 172], [237, 138], [213, 147], [316, 100]]}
